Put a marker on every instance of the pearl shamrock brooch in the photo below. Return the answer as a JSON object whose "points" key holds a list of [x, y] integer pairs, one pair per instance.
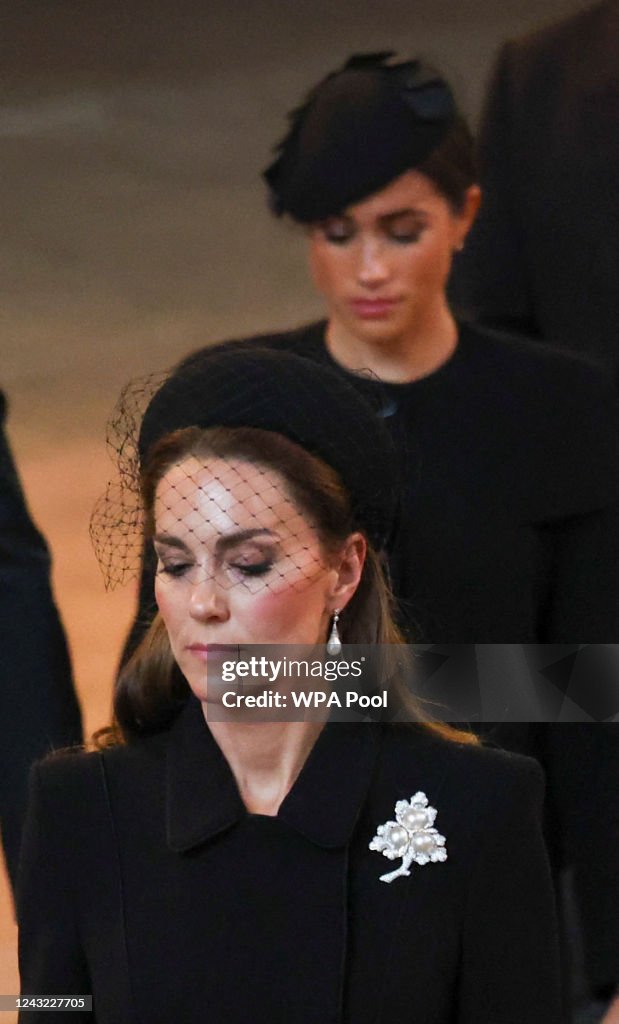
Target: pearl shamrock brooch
{"points": [[411, 836]]}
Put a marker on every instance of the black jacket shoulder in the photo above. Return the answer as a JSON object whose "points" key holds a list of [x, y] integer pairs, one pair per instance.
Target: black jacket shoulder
{"points": [[477, 774], [540, 371], [565, 36], [533, 66], [553, 415]]}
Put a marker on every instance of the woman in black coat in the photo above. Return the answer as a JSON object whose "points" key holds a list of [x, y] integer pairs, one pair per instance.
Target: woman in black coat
{"points": [[508, 528], [509, 524], [208, 865]]}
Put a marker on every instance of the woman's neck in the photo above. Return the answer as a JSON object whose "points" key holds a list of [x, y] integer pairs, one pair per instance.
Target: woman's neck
{"points": [[401, 358], [265, 758]]}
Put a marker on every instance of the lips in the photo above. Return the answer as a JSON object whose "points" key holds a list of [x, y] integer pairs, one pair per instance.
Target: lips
{"points": [[214, 652], [373, 309]]}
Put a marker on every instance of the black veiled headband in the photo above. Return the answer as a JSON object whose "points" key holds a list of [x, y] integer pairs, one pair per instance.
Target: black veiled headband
{"points": [[239, 386], [359, 128], [282, 392]]}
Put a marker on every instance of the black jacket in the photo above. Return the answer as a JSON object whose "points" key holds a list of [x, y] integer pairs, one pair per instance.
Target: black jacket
{"points": [[544, 253], [509, 533], [145, 882], [38, 706]]}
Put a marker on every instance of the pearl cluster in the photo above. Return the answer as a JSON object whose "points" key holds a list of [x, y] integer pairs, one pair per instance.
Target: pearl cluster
{"points": [[411, 836]]}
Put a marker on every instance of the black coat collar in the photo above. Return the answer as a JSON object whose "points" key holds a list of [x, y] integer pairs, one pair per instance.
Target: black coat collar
{"points": [[202, 798]]}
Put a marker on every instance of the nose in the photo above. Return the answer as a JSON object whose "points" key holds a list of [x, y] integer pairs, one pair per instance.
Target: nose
{"points": [[208, 601], [373, 264]]}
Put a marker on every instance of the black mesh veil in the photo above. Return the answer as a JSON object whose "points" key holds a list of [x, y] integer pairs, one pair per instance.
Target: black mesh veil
{"points": [[259, 408]]}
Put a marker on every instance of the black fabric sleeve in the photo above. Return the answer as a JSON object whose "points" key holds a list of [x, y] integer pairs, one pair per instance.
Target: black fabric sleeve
{"points": [[490, 280], [582, 765], [38, 705], [510, 969], [51, 959], [582, 530], [584, 604]]}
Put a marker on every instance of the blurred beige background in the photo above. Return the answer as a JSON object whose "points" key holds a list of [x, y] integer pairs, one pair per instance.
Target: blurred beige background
{"points": [[134, 225]]}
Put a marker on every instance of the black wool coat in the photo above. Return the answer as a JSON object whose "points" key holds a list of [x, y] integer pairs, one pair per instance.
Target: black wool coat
{"points": [[145, 882], [509, 533], [543, 256], [38, 705]]}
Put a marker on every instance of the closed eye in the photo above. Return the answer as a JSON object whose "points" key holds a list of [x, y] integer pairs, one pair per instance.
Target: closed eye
{"points": [[404, 237], [404, 228], [338, 231], [252, 558], [253, 568], [173, 568]]}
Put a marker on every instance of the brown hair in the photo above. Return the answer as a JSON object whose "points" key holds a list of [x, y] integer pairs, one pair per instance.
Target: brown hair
{"points": [[150, 689], [452, 167]]}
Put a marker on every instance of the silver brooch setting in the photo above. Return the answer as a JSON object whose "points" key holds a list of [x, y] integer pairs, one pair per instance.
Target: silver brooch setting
{"points": [[411, 836]]}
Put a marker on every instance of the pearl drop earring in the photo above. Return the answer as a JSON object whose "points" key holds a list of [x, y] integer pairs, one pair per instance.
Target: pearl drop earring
{"points": [[334, 644]]}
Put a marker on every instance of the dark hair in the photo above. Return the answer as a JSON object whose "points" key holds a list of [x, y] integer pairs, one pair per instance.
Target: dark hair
{"points": [[150, 689], [452, 166]]}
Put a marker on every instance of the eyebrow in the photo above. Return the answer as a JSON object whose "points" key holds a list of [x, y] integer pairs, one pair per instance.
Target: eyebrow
{"points": [[385, 218], [232, 539], [222, 544], [408, 211]]}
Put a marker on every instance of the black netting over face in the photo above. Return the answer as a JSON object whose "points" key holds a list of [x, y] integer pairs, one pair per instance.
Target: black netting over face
{"points": [[117, 521], [239, 562], [296, 409], [233, 521]]}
